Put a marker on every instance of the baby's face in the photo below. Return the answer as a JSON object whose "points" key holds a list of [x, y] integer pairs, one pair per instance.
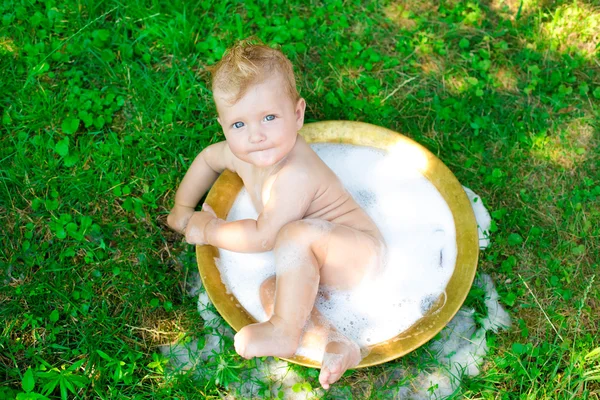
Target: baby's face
{"points": [[261, 128]]}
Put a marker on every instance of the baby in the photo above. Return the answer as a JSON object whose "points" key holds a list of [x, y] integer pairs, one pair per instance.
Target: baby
{"points": [[318, 233]]}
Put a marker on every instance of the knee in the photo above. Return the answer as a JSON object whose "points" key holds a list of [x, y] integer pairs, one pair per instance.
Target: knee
{"points": [[310, 229], [267, 295], [292, 232], [267, 289], [383, 251]]}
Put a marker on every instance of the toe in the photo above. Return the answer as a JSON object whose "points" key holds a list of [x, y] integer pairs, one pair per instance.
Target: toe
{"points": [[324, 378], [335, 368], [332, 369], [240, 347]]}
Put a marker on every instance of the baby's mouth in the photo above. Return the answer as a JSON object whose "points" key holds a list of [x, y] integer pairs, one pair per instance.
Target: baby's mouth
{"points": [[264, 155]]}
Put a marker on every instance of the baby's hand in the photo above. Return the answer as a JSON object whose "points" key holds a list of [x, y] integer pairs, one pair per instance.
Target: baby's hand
{"points": [[196, 227], [207, 208], [179, 217]]}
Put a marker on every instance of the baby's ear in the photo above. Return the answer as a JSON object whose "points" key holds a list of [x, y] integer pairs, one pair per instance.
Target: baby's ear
{"points": [[300, 108]]}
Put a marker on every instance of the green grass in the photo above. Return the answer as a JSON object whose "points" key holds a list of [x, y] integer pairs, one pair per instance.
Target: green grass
{"points": [[103, 105]]}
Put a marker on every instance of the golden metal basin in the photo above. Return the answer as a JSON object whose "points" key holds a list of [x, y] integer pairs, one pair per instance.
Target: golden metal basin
{"points": [[226, 188]]}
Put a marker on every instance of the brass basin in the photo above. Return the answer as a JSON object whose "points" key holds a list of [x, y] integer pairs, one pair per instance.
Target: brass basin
{"points": [[226, 188]]}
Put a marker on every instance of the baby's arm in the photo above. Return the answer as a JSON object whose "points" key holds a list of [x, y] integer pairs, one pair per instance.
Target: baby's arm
{"points": [[203, 172], [290, 197]]}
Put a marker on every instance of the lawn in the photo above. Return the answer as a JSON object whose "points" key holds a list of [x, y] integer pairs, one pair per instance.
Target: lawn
{"points": [[104, 105]]}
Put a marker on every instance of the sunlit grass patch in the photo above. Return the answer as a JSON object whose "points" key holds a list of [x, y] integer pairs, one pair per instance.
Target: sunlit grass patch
{"points": [[573, 28], [458, 83], [505, 78], [431, 64], [573, 144], [403, 13], [400, 16], [592, 365], [508, 8], [516, 9]]}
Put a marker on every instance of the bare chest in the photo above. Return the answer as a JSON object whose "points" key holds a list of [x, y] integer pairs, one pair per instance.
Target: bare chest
{"points": [[258, 185]]}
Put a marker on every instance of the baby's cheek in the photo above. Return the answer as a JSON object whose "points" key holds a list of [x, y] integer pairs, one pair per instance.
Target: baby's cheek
{"points": [[233, 146]]}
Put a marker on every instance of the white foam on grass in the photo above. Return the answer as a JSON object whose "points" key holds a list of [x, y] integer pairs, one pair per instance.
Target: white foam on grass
{"points": [[185, 356], [273, 374], [461, 348], [418, 228], [268, 379], [484, 221], [459, 351]]}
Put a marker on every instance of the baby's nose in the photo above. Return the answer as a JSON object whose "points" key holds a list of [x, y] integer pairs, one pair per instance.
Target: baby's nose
{"points": [[256, 136]]}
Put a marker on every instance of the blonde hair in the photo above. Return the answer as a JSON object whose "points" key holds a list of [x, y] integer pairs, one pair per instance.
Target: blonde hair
{"points": [[250, 62]]}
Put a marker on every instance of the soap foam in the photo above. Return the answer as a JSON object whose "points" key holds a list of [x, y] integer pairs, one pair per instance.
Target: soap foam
{"points": [[484, 221], [418, 228]]}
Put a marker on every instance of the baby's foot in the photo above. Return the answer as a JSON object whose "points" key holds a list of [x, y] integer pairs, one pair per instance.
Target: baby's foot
{"points": [[265, 339], [337, 359]]}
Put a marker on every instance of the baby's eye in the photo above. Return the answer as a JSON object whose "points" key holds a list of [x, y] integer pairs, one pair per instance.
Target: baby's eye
{"points": [[237, 125], [269, 117]]}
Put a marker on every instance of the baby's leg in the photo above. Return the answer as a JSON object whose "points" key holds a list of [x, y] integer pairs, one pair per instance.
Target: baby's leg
{"points": [[306, 252], [297, 284], [339, 352]]}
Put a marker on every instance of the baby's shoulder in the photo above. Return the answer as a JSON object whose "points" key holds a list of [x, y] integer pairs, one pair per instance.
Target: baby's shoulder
{"points": [[293, 175], [291, 170], [219, 156]]}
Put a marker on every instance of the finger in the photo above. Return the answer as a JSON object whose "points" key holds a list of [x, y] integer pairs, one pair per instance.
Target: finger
{"points": [[190, 233], [190, 238], [208, 209], [186, 235], [193, 234]]}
